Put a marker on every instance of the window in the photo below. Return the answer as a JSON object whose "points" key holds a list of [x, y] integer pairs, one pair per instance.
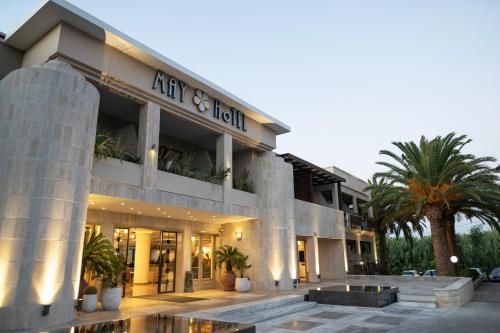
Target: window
{"points": [[351, 245], [202, 248]]}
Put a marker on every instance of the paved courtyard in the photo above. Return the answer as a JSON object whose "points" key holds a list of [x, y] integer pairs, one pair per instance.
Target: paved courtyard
{"points": [[482, 314]]}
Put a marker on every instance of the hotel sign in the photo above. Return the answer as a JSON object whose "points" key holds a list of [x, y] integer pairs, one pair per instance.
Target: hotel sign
{"points": [[177, 89]]}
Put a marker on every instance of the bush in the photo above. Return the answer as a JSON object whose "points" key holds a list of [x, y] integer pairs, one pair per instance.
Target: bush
{"points": [[90, 290]]}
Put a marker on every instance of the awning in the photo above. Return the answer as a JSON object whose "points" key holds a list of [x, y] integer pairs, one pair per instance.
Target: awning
{"points": [[302, 168]]}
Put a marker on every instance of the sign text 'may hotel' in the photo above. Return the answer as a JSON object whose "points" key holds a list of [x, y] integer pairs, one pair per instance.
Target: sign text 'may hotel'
{"points": [[174, 88]]}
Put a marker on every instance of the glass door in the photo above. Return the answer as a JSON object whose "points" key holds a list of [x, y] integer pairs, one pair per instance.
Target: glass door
{"points": [[166, 281]]}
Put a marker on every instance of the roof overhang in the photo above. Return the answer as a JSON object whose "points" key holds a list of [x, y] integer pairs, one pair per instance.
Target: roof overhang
{"points": [[52, 12], [319, 175]]}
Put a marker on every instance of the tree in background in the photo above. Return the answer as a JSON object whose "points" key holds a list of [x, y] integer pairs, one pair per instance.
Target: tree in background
{"points": [[434, 179]]}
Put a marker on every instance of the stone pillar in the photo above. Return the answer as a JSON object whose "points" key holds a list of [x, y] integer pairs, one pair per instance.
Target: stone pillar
{"points": [[148, 142], [358, 246], [374, 248], [335, 196], [183, 257], [224, 159], [48, 118], [355, 205], [277, 251], [312, 257], [142, 255]]}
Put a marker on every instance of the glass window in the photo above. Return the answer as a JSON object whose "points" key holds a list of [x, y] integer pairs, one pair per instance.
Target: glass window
{"points": [[207, 249], [195, 255]]}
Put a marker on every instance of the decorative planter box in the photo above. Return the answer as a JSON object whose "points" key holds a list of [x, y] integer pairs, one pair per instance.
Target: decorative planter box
{"points": [[371, 296]]}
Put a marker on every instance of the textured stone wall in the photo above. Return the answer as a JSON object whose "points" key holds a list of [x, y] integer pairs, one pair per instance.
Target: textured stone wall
{"points": [[48, 117], [276, 252]]}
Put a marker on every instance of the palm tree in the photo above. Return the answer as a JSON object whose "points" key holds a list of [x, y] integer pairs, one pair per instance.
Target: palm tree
{"points": [[428, 177], [389, 220]]}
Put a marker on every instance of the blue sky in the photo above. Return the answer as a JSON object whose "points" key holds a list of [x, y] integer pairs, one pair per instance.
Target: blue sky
{"points": [[349, 77]]}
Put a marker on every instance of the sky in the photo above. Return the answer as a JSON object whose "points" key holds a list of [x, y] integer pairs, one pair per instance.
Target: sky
{"points": [[349, 77]]}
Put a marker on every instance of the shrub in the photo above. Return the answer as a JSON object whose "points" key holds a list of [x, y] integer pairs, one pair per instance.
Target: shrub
{"points": [[90, 290]]}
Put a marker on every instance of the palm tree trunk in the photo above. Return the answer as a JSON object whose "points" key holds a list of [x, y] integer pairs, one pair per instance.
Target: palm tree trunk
{"points": [[439, 241], [449, 223], [383, 255]]}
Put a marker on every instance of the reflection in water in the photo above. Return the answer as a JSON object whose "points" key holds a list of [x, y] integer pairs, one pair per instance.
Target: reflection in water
{"points": [[161, 324]]}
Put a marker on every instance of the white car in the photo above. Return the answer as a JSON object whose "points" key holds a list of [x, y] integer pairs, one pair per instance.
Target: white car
{"points": [[410, 272]]}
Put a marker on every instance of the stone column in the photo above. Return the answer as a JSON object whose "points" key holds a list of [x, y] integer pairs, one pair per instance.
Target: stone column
{"points": [[147, 144], [358, 246], [312, 258], [355, 205], [142, 255], [276, 250], [48, 118], [183, 257], [224, 159]]}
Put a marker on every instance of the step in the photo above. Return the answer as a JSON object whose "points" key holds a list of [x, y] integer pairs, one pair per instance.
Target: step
{"points": [[417, 304], [416, 298], [257, 306], [276, 312]]}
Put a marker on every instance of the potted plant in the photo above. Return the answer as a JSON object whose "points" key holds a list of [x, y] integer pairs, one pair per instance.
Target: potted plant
{"points": [[95, 257], [112, 293], [242, 283], [227, 255], [89, 299]]}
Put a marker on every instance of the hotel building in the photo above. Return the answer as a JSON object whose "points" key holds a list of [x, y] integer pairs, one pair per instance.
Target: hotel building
{"points": [[70, 82]]}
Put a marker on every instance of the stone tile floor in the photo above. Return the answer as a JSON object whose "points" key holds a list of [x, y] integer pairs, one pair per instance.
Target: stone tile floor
{"points": [[348, 319]]}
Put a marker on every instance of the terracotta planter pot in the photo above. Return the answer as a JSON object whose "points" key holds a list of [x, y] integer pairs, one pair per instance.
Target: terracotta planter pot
{"points": [[227, 280]]}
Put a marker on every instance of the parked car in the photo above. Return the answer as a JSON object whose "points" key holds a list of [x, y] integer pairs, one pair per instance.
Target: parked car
{"points": [[410, 272], [479, 273], [495, 274], [430, 272]]}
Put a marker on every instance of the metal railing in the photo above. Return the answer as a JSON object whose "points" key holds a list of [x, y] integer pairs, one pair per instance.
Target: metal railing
{"points": [[354, 221]]}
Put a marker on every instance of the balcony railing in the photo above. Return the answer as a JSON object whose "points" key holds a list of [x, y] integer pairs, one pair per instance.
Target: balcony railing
{"points": [[354, 221]]}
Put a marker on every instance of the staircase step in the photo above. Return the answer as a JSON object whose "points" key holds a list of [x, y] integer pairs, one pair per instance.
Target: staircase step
{"points": [[251, 318], [417, 304], [416, 298], [257, 306]]}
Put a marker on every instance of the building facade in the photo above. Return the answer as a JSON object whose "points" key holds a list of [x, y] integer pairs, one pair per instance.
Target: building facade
{"points": [[99, 132]]}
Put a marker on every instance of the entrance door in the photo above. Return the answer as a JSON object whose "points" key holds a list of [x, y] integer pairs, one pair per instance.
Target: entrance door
{"points": [[166, 281], [301, 249]]}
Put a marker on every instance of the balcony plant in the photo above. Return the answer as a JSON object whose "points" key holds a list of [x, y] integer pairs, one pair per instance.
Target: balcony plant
{"points": [[241, 262], [112, 293], [243, 182], [96, 254], [106, 146], [227, 255], [89, 299]]}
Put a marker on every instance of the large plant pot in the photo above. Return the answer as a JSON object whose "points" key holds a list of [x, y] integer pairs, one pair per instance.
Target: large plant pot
{"points": [[111, 298], [89, 303], [228, 279], [242, 284]]}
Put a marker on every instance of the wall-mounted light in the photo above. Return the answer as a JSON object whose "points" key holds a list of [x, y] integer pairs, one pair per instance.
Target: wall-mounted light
{"points": [[45, 309], [276, 283], [153, 147], [295, 282], [238, 235], [319, 276]]}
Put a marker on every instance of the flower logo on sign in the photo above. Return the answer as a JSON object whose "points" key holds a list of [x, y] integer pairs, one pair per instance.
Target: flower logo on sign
{"points": [[201, 100]]}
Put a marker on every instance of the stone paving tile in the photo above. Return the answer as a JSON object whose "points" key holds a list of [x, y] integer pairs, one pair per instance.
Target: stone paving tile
{"points": [[385, 320], [400, 310], [298, 325], [330, 315], [361, 329]]}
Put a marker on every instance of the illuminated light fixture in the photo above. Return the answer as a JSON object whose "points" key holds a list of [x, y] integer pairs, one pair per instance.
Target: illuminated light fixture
{"points": [[122, 203], [139, 212], [153, 147], [239, 235], [193, 238], [213, 216], [169, 216], [319, 276], [92, 202], [125, 231], [276, 283], [103, 208], [131, 208], [189, 213], [132, 235], [195, 219], [45, 309], [164, 213], [203, 231], [158, 208]]}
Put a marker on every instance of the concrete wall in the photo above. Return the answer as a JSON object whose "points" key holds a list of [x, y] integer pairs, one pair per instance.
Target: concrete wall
{"points": [[11, 59], [48, 117], [312, 219], [331, 258]]}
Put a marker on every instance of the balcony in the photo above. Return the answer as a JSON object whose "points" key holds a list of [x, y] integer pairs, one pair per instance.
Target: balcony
{"points": [[313, 219], [353, 221]]}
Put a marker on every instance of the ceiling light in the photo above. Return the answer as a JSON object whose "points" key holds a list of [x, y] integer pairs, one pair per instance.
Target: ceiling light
{"points": [[139, 212], [103, 208], [122, 203], [158, 208], [195, 219], [169, 216], [189, 213], [131, 208], [203, 231], [92, 202], [164, 213]]}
